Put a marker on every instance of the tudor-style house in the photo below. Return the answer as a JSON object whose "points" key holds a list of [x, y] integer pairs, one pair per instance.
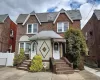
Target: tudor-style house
{"points": [[91, 32], [7, 34], [43, 33]]}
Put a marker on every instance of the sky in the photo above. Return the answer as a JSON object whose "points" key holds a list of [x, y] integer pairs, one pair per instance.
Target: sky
{"points": [[16, 7]]}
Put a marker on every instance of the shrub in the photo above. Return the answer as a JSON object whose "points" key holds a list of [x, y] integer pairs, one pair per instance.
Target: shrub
{"points": [[19, 58], [36, 64], [75, 46]]}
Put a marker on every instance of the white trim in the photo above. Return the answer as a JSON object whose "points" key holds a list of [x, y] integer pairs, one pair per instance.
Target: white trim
{"points": [[38, 19], [28, 18], [62, 26], [58, 16]]}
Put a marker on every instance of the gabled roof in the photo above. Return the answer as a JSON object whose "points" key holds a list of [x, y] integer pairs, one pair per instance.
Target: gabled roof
{"points": [[43, 35], [97, 13], [21, 18], [62, 11], [3, 17], [46, 17]]}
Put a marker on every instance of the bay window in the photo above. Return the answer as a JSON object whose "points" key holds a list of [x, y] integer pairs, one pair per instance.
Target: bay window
{"points": [[62, 26], [25, 46]]}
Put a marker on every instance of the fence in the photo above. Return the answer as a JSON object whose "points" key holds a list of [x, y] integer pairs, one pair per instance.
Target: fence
{"points": [[6, 59]]}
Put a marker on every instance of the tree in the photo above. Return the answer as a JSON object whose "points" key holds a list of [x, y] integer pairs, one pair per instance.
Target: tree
{"points": [[75, 46]]}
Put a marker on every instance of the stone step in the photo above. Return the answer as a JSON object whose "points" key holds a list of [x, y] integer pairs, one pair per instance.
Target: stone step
{"points": [[62, 65], [28, 60], [27, 63], [24, 65], [65, 72], [22, 68], [60, 62], [64, 68]]}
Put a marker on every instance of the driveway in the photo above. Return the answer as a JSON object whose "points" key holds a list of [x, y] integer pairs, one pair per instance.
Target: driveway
{"points": [[7, 73]]}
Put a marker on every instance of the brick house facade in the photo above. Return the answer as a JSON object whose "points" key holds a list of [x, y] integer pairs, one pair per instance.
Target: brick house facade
{"points": [[46, 22], [92, 33], [6, 25]]}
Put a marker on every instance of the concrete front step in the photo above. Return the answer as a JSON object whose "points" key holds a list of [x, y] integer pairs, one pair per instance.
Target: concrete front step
{"points": [[24, 65], [27, 63], [28, 60], [22, 68], [65, 72]]}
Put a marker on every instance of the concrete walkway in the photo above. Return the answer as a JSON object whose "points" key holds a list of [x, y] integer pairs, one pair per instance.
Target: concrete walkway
{"points": [[7, 73], [94, 71], [14, 74]]}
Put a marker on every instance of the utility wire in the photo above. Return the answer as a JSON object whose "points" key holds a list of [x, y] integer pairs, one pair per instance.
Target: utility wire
{"points": [[88, 13]]}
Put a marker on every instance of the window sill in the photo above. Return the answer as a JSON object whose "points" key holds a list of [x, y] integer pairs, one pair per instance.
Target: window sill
{"points": [[60, 32], [31, 33]]}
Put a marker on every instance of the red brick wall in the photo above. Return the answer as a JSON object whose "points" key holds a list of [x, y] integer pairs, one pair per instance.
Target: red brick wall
{"points": [[12, 41], [21, 30], [4, 35], [93, 42]]}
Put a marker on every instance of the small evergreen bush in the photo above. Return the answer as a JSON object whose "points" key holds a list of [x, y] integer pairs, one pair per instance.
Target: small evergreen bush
{"points": [[76, 47], [36, 64], [19, 58]]}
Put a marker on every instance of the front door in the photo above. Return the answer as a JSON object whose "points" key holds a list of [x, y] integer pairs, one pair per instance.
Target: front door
{"points": [[56, 51], [33, 49]]}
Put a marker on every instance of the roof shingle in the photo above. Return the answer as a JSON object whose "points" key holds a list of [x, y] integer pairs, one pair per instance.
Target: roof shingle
{"points": [[46, 17], [3, 17]]}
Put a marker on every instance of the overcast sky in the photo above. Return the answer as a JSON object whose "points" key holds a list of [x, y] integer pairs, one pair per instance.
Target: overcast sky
{"points": [[16, 7]]}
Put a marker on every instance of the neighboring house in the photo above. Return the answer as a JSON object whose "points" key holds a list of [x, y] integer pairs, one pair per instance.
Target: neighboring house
{"points": [[43, 33], [91, 32], [7, 34]]}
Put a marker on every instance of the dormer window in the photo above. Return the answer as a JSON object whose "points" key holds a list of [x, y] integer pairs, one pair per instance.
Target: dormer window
{"points": [[62, 26], [32, 28]]}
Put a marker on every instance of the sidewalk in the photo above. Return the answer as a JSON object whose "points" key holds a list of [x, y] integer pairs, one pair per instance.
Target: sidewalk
{"points": [[94, 71]]}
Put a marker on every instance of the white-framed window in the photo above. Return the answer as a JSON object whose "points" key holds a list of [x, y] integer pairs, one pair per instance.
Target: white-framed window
{"points": [[11, 33], [62, 26], [32, 28], [25, 46]]}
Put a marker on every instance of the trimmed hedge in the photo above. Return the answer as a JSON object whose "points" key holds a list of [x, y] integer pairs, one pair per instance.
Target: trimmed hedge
{"points": [[36, 64]]}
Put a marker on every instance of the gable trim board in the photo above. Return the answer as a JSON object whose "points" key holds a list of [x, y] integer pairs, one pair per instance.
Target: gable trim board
{"points": [[59, 14], [28, 18]]}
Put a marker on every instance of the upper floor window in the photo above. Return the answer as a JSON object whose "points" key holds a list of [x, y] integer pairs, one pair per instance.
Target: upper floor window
{"points": [[62, 26], [32, 28]]}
